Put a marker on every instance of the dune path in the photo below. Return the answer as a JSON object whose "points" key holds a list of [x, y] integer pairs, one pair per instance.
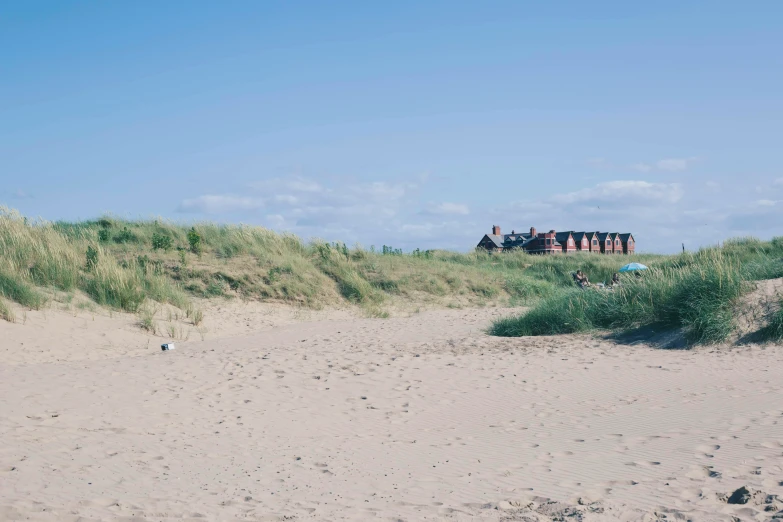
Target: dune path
{"points": [[417, 418]]}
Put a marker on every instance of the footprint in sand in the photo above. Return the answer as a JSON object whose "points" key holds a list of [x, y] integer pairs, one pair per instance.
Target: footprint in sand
{"points": [[706, 451], [643, 464], [702, 472], [562, 454]]}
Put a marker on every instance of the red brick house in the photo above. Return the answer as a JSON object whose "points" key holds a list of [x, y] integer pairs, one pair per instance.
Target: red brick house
{"points": [[567, 241], [595, 244], [531, 242], [628, 242], [605, 242], [581, 241], [617, 247], [553, 242], [542, 243]]}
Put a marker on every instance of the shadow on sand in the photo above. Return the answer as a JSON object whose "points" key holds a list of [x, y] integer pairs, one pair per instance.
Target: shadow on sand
{"points": [[652, 335]]}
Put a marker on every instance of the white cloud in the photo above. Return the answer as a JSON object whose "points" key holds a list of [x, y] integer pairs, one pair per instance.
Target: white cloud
{"points": [[381, 190], [642, 167], [666, 164], [277, 221], [303, 185], [420, 229], [353, 210], [661, 215], [630, 192], [286, 198], [449, 208], [778, 182], [276, 185], [218, 204], [674, 164]]}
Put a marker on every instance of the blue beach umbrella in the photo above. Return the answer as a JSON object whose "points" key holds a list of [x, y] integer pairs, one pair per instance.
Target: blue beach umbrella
{"points": [[630, 267]]}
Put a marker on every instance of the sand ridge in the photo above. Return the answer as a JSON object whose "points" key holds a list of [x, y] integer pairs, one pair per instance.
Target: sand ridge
{"points": [[418, 418]]}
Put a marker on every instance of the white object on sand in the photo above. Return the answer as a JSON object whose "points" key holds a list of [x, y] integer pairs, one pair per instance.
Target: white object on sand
{"points": [[167, 346]]}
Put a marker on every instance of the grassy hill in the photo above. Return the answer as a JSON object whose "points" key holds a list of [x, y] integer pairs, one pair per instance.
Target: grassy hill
{"points": [[698, 293], [121, 264]]}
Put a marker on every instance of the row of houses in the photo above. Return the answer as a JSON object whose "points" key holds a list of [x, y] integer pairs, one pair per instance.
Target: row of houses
{"points": [[552, 242]]}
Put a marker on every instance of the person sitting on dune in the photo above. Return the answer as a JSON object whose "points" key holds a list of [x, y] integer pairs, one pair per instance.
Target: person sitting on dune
{"points": [[615, 279], [581, 279]]}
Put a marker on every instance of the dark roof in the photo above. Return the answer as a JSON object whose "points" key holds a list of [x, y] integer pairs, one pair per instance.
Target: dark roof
{"points": [[525, 235], [579, 235], [515, 240], [494, 239], [526, 242], [524, 239]]}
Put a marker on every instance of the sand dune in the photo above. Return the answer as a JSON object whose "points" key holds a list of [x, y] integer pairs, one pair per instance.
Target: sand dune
{"points": [[417, 418]]}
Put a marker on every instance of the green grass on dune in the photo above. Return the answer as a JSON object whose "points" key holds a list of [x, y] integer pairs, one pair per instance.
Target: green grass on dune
{"points": [[695, 292], [774, 330], [170, 263], [120, 263], [17, 289]]}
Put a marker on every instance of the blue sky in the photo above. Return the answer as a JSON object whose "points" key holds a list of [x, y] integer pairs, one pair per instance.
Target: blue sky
{"points": [[412, 124]]}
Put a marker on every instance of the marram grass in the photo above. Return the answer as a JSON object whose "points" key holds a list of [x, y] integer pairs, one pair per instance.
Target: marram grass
{"points": [[6, 312], [122, 264], [696, 292], [774, 330]]}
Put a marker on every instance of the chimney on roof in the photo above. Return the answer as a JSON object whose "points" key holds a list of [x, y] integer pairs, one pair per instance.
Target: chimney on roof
{"points": [[532, 231], [495, 230]]}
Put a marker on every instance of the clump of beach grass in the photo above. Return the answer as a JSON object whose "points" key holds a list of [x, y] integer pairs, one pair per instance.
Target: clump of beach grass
{"points": [[21, 291], [147, 320], [6, 312], [697, 293], [773, 331], [37, 254]]}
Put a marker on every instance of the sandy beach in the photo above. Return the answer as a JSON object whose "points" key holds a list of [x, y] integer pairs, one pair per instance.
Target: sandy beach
{"points": [[334, 417]]}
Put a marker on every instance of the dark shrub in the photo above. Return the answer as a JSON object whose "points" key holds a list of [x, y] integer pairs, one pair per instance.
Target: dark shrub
{"points": [[161, 242]]}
